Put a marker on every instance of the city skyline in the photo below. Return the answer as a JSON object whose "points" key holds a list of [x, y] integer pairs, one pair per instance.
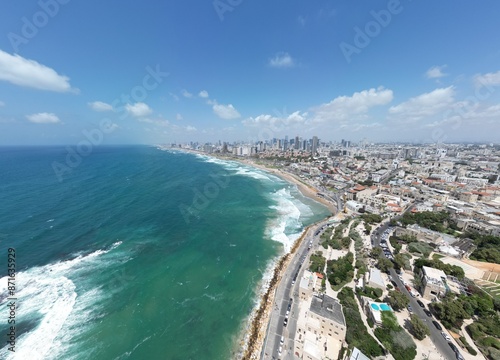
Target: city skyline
{"points": [[171, 73]]}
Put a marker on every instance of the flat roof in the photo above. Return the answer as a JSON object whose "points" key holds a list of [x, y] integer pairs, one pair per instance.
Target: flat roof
{"points": [[376, 277], [328, 308], [358, 355], [432, 273]]}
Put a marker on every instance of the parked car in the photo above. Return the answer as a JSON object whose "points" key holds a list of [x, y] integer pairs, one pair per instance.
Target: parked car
{"points": [[453, 347], [436, 324], [421, 304], [285, 322], [410, 309], [446, 336], [459, 356], [427, 312]]}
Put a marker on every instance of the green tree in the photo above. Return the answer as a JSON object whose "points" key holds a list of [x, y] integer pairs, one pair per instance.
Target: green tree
{"points": [[384, 264], [400, 261], [375, 252], [420, 330], [397, 300]]}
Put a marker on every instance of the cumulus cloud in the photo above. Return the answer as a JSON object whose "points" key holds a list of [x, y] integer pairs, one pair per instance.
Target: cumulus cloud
{"points": [[100, 106], [342, 108], [436, 72], [186, 93], [487, 79], [43, 118], [203, 94], [178, 117], [276, 123], [190, 128], [282, 60], [138, 110], [227, 112], [29, 73], [424, 105]]}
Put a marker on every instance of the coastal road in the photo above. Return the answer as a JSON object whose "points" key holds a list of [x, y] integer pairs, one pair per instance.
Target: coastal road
{"points": [[284, 295]]}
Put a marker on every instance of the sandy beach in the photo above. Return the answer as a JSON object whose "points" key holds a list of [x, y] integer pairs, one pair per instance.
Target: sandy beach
{"points": [[305, 189]]}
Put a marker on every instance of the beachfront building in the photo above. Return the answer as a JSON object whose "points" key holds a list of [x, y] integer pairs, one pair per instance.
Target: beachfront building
{"points": [[310, 283], [433, 283], [321, 330]]}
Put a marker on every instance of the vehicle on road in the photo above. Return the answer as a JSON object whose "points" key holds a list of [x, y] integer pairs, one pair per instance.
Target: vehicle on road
{"points": [[285, 322], [280, 350], [400, 277], [427, 312], [421, 304], [453, 347], [436, 324], [410, 309], [446, 336], [282, 340], [459, 356]]}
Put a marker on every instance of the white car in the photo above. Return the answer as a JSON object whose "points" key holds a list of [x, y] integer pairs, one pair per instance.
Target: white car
{"points": [[446, 336], [279, 350]]}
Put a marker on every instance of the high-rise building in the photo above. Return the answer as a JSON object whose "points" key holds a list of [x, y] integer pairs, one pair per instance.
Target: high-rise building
{"points": [[297, 143], [314, 146]]}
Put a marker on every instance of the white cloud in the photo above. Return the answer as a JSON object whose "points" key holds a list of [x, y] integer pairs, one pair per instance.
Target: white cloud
{"points": [[276, 123], [436, 72], [487, 79], [342, 108], [186, 93], [424, 105], [282, 60], [139, 109], [227, 112], [175, 97], [190, 128], [203, 94], [178, 117], [43, 118], [100, 106], [29, 73]]}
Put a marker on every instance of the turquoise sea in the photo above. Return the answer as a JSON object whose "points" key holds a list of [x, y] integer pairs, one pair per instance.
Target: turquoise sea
{"points": [[139, 253]]}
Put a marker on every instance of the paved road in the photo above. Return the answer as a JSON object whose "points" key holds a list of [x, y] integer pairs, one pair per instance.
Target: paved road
{"points": [[435, 335], [286, 294]]}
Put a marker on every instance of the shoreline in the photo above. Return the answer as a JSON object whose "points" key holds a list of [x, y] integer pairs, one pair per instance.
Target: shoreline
{"points": [[254, 333]]}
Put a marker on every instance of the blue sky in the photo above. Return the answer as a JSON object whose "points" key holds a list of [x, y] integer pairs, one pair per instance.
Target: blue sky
{"points": [[173, 71]]}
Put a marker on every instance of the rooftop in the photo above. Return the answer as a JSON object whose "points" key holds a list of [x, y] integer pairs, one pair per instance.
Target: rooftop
{"points": [[328, 308]]}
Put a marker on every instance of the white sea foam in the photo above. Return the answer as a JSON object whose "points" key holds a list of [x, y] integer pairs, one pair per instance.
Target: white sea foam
{"points": [[287, 226], [48, 295], [239, 169]]}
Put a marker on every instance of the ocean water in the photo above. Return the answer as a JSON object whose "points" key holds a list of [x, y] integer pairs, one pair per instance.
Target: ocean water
{"points": [[139, 253]]}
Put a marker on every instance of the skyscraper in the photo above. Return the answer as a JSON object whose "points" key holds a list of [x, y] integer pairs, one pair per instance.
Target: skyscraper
{"points": [[314, 147]]}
